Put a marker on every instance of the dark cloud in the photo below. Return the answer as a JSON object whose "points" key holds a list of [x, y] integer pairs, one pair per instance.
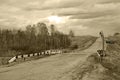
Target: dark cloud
{"points": [[109, 1], [109, 25], [2, 2], [85, 16], [91, 15], [68, 12], [58, 4]]}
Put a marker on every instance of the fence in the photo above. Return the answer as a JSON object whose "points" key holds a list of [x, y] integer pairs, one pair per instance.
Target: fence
{"points": [[47, 52]]}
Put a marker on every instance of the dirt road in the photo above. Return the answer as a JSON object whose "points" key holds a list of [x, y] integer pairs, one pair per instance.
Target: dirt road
{"points": [[55, 67]]}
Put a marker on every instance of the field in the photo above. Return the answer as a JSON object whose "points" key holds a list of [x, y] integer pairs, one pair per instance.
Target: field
{"points": [[112, 60], [108, 69], [57, 67], [81, 63], [82, 42]]}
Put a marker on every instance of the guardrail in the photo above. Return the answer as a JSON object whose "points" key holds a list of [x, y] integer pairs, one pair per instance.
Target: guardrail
{"points": [[47, 52]]}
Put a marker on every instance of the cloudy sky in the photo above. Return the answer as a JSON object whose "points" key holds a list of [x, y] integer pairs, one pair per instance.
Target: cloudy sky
{"points": [[84, 17]]}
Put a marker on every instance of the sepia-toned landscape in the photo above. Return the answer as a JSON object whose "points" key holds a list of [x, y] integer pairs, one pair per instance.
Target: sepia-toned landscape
{"points": [[59, 40]]}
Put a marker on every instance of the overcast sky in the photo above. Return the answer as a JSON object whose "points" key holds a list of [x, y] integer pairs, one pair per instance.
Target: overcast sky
{"points": [[84, 17]]}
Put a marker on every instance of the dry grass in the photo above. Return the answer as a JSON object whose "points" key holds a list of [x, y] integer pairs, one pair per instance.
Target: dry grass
{"points": [[4, 60], [93, 70], [83, 42], [112, 60], [88, 69]]}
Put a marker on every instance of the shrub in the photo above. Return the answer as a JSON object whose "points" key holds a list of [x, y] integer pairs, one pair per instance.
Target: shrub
{"points": [[75, 46]]}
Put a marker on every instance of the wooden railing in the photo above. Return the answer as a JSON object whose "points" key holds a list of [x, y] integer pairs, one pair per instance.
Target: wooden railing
{"points": [[47, 52]]}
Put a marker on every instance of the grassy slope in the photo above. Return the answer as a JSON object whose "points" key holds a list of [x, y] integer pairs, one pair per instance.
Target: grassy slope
{"points": [[83, 42], [93, 70], [108, 69], [112, 60]]}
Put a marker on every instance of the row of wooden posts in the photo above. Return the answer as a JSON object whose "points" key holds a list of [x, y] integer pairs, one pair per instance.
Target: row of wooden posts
{"points": [[47, 52]]}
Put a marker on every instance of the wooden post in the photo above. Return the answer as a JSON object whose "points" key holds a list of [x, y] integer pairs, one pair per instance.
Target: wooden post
{"points": [[37, 54], [28, 55], [33, 54], [103, 43], [16, 56]]}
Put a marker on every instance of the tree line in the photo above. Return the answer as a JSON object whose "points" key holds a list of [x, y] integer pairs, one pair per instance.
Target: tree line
{"points": [[34, 38]]}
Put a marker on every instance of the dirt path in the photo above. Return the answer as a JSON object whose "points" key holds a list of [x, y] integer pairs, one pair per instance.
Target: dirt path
{"points": [[55, 67]]}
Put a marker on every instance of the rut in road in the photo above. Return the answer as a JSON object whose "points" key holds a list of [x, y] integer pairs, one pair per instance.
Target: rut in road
{"points": [[57, 67]]}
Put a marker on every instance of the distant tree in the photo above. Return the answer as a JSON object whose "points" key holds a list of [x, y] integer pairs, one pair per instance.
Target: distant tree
{"points": [[28, 29], [34, 39], [43, 30], [71, 33], [72, 47], [52, 29], [116, 34]]}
